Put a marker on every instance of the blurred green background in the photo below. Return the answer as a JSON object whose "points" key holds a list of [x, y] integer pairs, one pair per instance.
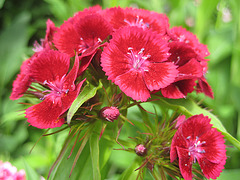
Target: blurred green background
{"points": [[215, 22]]}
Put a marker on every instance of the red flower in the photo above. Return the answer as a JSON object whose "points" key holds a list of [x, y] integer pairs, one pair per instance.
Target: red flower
{"points": [[46, 43], [204, 87], [50, 69], [179, 34], [82, 35], [194, 140], [119, 17], [23, 80], [182, 35], [135, 61], [190, 69]]}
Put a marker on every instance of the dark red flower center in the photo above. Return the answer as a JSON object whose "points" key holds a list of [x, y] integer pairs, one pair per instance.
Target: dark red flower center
{"points": [[138, 60]]}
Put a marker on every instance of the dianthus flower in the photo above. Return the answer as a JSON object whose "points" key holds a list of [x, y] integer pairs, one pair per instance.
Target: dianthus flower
{"points": [[194, 140], [9, 172], [46, 43], [83, 33], [189, 55], [135, 61], [120, 17], [23, 80], [50, 69], [182, 35], [189, 67]]}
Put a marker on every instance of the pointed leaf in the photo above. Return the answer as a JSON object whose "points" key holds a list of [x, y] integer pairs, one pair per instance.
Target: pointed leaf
{"points": [[87, 93], [130, 172], [30, 172], [94, 150]]}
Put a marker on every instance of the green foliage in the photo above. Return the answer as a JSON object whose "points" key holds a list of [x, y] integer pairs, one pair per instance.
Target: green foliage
{"points": [[87, 93], [23, 23]]}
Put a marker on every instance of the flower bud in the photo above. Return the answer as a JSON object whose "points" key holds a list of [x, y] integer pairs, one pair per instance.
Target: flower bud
{"points": [[141, 150], [109, 113]]}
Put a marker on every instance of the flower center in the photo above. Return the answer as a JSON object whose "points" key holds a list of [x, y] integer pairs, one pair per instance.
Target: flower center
{"points": [[138, 22], [195, 147], [137, 59], [87, 44], [56, 87]]}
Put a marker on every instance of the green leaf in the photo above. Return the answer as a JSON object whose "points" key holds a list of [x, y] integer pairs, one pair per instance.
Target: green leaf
{"points": [[61, 154], [130, 172], [94, 150], [30, 172], [87, 93], [76, 157], [1, 3], [229, 174]]}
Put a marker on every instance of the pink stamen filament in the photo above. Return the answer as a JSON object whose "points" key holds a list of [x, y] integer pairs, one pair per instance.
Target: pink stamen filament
{"points": [[56, 87], [138, 22], [195, 148], [84, 45], [137, 59]]}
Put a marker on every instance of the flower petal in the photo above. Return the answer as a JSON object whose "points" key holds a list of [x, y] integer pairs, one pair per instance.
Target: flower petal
{"points": [[196, 126], [114, 62], [50, 65], [23, 80], [172, 91], [132, 84], [210, 169], [204, 87], [71, 76], [120, 17], [67, 39], [177, 141], [192, 69], [185, 163], [159, 75], [182, 35], [215, 149], [45, 114], [20, 86], [93, 29]]}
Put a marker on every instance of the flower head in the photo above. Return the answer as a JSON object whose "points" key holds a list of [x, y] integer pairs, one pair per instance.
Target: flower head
{"points": [[9, 172], [82, 35], [135, 61], [50, 70], [23, 80], [121, 17], [196, 140], [182, 35], [190, 70], [46, 43]]}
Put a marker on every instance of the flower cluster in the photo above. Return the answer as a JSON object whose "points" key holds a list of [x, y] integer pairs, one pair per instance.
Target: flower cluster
{"points": [[143, 56], [7, 172], [134, 53]]}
